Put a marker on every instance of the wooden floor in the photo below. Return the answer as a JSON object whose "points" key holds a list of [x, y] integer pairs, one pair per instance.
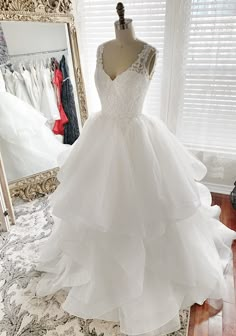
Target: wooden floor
{"points": [[211, 319]]}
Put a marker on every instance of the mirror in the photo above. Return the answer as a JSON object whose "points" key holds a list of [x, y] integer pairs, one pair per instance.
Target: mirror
{"points": [[40, 112]]}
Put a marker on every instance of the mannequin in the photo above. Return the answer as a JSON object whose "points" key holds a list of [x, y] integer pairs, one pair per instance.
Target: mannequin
{"points": [[121, 52]]}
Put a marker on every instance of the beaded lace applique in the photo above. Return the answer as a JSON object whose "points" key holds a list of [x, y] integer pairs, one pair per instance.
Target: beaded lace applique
{"points": [[139, 65]]}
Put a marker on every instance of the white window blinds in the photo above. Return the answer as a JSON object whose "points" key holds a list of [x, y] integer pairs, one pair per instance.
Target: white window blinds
{"points": [[208, 116], [96, 25]]}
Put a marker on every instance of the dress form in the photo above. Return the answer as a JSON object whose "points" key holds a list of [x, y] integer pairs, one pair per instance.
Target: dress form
{"points": [[122, 51]]}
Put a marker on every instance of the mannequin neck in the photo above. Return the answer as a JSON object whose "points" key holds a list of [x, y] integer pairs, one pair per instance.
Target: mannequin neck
{"points": [[125, 36]]}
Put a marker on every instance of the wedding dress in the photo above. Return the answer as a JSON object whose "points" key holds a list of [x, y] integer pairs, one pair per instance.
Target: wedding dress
{"points": [[35, 85], [9, 81], [20, 88], [29, 85], [48, 101], [27, 145], [135, 237]]}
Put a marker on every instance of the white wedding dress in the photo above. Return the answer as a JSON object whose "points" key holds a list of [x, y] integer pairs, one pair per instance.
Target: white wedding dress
{"points": [[27, 145], [135, 237]]}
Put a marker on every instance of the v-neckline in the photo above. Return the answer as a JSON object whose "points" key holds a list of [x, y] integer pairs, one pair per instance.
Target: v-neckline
{"points": [[123, 72]]}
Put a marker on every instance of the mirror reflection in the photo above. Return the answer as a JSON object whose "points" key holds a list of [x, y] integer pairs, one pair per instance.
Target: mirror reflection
{"points": [[39, 112]]}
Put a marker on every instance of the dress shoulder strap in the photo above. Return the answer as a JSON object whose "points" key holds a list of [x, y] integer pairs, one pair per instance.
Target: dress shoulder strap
{"points": [[151, 50], [140, 65], [99, 53]]}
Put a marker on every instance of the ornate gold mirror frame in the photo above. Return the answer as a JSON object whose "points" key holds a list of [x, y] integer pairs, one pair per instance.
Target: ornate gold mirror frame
{"points": [[59, 11]]}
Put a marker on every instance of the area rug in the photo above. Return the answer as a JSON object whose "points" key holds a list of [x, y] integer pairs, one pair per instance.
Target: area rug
{"points": [[23, 314]]}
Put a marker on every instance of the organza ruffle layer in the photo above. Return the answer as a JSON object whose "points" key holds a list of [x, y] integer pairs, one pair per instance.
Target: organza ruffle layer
{"points": [[27, 145], [135, 238]]}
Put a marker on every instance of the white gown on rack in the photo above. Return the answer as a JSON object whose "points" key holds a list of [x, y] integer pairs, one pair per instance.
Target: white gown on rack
{"points": [[135, 237], [35, 85], [48, 105], [30, 88], [9, 81], [20, 88], [26, 144]]}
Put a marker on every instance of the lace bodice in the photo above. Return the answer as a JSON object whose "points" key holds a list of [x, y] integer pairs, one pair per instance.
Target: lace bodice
{"points": [[123, 96]]}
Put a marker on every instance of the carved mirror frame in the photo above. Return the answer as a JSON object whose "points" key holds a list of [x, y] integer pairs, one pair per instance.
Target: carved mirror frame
{"points": [[59, 11]]}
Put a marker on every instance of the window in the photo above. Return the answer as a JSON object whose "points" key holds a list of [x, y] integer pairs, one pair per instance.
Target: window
{"points": [[208, 117]]}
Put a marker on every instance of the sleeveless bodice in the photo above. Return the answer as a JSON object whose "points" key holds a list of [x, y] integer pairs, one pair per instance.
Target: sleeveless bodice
{"points": [[124, 95]]}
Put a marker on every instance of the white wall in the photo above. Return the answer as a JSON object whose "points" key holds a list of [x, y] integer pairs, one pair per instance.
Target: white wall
{"points": [[31, 37], [221, 170]]}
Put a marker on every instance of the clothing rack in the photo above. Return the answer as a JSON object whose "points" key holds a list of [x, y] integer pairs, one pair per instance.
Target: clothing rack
{"points": [[17, 59], [38, 53]]}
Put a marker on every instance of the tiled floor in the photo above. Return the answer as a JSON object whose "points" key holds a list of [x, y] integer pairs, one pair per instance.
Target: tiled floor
{"points": [[209, 319]]}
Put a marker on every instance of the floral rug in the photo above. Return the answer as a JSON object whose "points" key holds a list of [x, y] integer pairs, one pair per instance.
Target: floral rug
{"points": [[23, 314]]}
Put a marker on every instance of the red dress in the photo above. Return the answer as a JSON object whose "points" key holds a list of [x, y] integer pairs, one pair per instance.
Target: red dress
{"points": [[58, 127]]}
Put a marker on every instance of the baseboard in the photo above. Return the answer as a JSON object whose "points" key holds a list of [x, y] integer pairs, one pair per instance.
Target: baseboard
{"points": [[219, 188]]}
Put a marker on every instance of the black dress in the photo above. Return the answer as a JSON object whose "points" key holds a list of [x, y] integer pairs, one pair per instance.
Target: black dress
{"points": [[71, 129]]}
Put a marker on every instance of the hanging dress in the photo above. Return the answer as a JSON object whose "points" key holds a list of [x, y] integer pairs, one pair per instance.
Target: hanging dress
{"points": [[38, 73], [20, 88], [2, 83], [9, 81], [30, 87], [58, 127], [71, 129], [48, 106], [35, 83]]}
